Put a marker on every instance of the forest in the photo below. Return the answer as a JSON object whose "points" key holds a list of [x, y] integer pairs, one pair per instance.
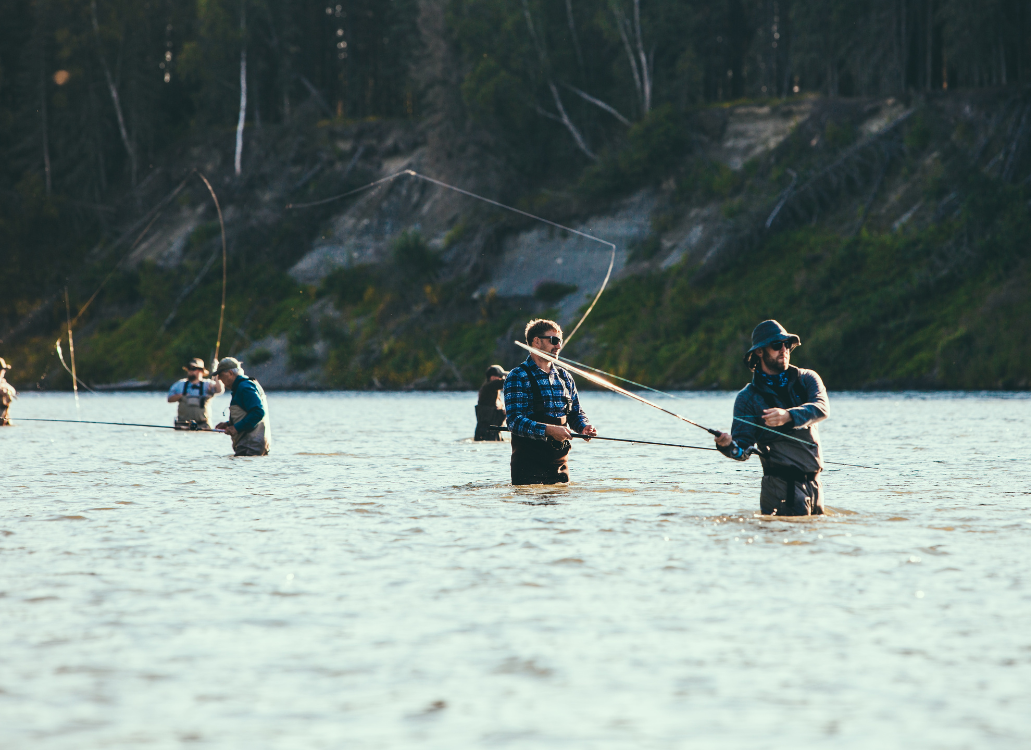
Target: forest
{"points": [[97, 97]]}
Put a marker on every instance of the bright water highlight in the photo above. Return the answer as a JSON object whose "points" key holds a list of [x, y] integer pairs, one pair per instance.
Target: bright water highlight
{"points": [[375, 582]]}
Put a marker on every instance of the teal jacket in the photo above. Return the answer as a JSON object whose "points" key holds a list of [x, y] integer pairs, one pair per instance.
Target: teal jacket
{"points": [[250, 397]]}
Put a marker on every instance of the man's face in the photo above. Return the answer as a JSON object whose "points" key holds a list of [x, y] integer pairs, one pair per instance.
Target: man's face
{"points": [[545, 342], [776, 357], [226, 378], [193, 373]]}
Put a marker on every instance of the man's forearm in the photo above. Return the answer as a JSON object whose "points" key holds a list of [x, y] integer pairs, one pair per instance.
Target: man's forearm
{"points": [[525, 427]]}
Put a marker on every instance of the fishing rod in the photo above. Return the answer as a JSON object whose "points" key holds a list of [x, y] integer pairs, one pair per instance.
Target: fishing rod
{"points": [[626, 440], [413, 173], [612, 387], [678, 398], [193, 426], [622, 391]]}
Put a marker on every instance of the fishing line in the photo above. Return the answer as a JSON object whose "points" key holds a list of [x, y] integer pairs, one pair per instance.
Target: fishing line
{"points": [[678, 398], [612, 387], [222, 225], [627, 440], [117, 424], [60, 355], [622, 391], [413, 173]]}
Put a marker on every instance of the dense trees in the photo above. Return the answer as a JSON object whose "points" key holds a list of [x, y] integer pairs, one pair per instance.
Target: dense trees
{"points": [[93, 93], [591, 65]]}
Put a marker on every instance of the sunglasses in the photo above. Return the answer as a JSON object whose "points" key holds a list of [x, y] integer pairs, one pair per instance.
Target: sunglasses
{"points": [[780, 345], [194, 369], [554, 340]]}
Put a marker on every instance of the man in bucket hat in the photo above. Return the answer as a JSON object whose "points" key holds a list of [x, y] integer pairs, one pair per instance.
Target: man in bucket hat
{"points": [[788, 402], [193, 394], [248, 424]]}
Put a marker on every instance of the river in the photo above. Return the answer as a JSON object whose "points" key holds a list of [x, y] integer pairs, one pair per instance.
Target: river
{"points": [[376, 583]]}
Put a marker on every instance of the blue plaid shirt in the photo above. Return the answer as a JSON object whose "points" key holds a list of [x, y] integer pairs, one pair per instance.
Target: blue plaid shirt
{"points": [[557, 390]]}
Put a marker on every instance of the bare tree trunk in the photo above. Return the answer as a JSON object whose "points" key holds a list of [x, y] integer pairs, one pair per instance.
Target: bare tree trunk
{"points": [[905, 49], [572, 31], [563, 116], [573, 131], [646, 81], [114, 94], [243, 87], [43, 109], [599, 103], [622, 24], [929, 73]]}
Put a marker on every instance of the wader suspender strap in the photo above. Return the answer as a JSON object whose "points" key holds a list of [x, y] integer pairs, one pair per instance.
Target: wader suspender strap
{"points": [[790, 476]]}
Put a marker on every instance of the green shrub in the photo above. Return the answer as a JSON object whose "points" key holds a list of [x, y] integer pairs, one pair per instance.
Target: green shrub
{"points": [[652, 148], [918, 132], [348, 286], [413, 255], [553, 291], [841, 134], [259, 356]]}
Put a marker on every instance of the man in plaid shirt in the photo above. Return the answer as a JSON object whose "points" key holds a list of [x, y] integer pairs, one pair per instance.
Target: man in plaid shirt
{"points": [[542, 403]]}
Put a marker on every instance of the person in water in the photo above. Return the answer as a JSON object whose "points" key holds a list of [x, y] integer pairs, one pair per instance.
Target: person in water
{"points": [[542, 403], [248, 423], [7, 394], [790, 401], [490, 406], [193, 394]]}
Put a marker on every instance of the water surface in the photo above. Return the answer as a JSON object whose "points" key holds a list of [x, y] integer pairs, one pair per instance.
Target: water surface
{"points": [[375, 582]]}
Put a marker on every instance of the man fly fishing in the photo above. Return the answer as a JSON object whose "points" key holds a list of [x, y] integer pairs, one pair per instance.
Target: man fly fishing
{"points": [[193, 394], [248, 423], [490, 409], [791, 400], [541, 402], [7, 393]]}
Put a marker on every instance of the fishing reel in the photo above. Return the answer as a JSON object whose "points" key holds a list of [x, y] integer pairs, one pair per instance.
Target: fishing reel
{"points": [[190, 425]]}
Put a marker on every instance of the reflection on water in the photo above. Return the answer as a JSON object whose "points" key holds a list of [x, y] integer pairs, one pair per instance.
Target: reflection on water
{"points": [[376, 582]]}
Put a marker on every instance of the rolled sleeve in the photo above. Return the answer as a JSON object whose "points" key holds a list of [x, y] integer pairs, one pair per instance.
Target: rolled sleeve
{"points": [[519, 406], [577, 417], [817, 407], [177, 388]]}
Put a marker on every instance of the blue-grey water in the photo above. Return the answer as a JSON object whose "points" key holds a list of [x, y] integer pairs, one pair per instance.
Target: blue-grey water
{"points": [[376, 583]]}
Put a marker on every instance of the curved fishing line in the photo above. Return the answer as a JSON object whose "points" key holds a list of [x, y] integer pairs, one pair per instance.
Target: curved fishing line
{"points": [[60, 355], [222, 226], [157, 213], [624, 392], [527, 214], [611, 386], [679, 398]]}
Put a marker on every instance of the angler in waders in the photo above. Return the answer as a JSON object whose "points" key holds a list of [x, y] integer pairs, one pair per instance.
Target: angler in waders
{"points": [[490, 408], [542, 403], [7, 393], [789, 400], [248, 423], [193, 394]]}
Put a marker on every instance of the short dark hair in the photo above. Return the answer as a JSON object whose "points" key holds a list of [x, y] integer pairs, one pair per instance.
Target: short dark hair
{"points": [[536, 328]]}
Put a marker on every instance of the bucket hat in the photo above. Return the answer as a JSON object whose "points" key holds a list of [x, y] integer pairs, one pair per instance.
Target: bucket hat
{"points": [[769, 332], [497, 370], [227, 363], [197, 364]]}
